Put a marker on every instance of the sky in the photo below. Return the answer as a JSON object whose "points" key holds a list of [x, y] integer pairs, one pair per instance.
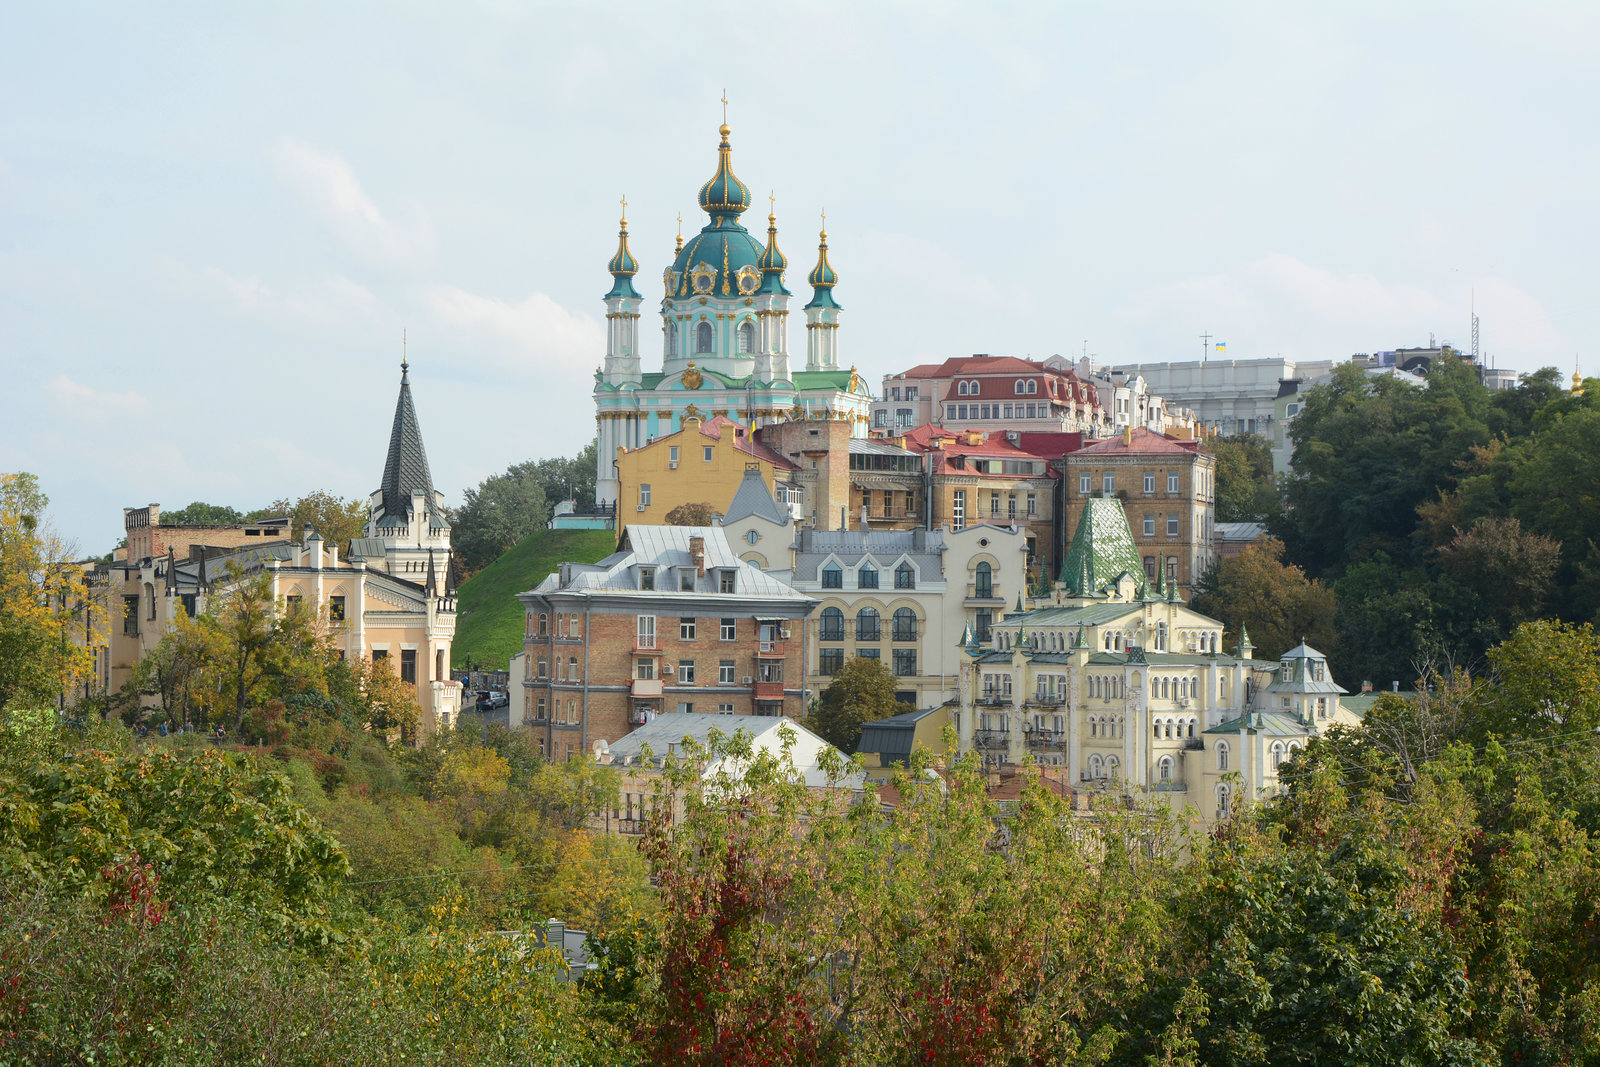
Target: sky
{"points": [[216, 220]]}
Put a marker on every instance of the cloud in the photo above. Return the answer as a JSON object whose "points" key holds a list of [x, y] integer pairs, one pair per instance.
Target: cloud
{"points": [[332, 303], [329, 186], [86, 402], [562, 344]]}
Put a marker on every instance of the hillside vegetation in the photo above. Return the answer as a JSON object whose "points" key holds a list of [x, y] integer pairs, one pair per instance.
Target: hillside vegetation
{"points": [[489, 623]]}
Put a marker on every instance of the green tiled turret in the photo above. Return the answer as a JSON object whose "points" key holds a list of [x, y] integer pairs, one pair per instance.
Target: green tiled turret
{"points": [[1101, 549]]}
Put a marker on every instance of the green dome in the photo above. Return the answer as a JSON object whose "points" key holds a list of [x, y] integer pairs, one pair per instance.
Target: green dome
{"points": [[729, 250], [822, 277], [724, 194], [623, 267], [772, 260]]}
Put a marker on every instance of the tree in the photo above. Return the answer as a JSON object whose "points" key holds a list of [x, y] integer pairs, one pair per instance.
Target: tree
{"points": [[336, 521], [49, 621], [861, 692], [1507, 568], [1276, 601], [199, 513], [692, 514], [501, 511], [505, 508], [246, 630], [1245, 488]]}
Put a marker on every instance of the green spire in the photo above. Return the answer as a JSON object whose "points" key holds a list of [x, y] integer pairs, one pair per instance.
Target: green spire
{"points": [[822, 278], [1079, 639], [967, 639], [1102, 547], [623, 266]]}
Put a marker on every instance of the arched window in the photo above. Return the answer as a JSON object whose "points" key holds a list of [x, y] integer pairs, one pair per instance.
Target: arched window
{"points": [[905, 624], [1094, 726], [983, 580], [747, 337], [1033, 387], [961, 388], [832, 577], [1222, 801], [1164, 769], [832, 624], [1116, 642], [972, 388], [1275, 754], [1161, 637], [1155, 729], [1122, 726], [867, 625], [1017, 387], [704, 337], [672, 338], [1113, 765], [1222, 755], [905, 577], [1191, 727], [867, 577], [1096, 766]]}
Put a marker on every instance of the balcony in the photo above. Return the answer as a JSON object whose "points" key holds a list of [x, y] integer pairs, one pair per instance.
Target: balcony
{"points": [[992, 738], [770, 649], [646, 687], [983, 595], [1048, 700], [646, 646], [768, 690], [1045, 738], [994, 700]]}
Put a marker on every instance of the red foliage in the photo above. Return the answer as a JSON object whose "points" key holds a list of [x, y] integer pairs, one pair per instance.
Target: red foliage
{"points": [[133, 893]]}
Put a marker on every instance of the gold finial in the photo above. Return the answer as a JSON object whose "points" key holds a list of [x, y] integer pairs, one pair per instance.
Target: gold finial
{"points": [[405, 359], [724, 107], [1577, 379], [624, 203], [680, 231], [824, 226]]}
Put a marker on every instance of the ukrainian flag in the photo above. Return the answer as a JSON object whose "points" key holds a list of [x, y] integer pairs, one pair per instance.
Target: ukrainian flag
{"points": [[1220, 347]]}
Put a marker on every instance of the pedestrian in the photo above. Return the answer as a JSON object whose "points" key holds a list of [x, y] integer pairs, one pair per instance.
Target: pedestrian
{"points": [[163, 727]]}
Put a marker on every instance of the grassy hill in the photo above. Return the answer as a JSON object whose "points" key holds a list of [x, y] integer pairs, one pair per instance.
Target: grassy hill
{"points": [[489, 618]]}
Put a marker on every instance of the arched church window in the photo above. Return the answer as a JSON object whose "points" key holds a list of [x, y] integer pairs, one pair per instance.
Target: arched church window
{"points": [[672, 339], [747, 337], [703, 338]]}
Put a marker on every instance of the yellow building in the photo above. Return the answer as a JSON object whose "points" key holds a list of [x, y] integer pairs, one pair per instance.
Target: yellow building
{"points": [[703, 463]]}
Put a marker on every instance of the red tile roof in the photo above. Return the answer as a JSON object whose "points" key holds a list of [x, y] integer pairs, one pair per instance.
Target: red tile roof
{"points": [[1145, 442], [714, 427]]}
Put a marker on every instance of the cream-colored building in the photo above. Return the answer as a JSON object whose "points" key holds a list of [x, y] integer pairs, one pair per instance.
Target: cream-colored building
{"points": [[1120, 682], [904, 597], [388, 601], [702, 463]]}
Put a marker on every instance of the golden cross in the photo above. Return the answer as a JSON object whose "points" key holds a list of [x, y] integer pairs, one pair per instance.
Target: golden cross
{"points": [[680, 224], [772, 198], [724, 107], [404, 359], [824, 220], [624, 203]]}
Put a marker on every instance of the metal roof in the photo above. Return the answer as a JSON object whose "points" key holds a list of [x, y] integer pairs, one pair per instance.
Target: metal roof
{"points": [[925, 548]]}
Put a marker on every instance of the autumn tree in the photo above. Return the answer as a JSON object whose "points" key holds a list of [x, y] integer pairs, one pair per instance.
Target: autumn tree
{"points": [[49, 619], [862, 691], [696, 513], [1278, 604]]}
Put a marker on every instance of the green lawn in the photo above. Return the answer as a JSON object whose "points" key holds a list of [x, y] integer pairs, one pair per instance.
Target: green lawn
{"points": [[489, 618]]}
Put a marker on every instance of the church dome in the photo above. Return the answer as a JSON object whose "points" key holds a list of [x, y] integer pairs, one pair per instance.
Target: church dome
{"points": [[772, 261], [822, 278], [623, 266], [724, 194]]}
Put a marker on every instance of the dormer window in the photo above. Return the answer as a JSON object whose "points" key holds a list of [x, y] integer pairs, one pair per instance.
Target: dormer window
{"points": [[867, 577], [832, 577], [647, 579], [905, 577], [725, 581], [686, 579]]}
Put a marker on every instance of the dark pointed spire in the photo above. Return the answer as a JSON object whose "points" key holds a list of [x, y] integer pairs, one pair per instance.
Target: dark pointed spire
{"points": [[172, 571], [433, 577], [405, 471], [201, 582]]}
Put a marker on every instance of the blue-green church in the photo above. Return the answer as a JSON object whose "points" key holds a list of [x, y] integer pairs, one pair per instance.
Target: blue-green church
{"points": [[724, 331]]}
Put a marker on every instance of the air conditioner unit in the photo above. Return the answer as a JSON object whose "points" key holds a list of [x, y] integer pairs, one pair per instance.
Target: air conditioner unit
{"points": [[641, 507], [747, 679], [672, 465], [783, 634]]}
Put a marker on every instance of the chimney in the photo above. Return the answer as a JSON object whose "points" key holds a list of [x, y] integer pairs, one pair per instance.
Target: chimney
{"points": [[1366, 687], [1127, 434], [864, 526], [1396, 686], [697, 552]]}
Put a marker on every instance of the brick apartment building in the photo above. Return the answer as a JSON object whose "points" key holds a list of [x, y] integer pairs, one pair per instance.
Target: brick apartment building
{"points": [[1168, 490], [672, 622]]}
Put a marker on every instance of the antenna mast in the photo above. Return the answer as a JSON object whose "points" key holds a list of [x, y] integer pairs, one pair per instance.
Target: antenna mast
{"points": [[1474, 326]]}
